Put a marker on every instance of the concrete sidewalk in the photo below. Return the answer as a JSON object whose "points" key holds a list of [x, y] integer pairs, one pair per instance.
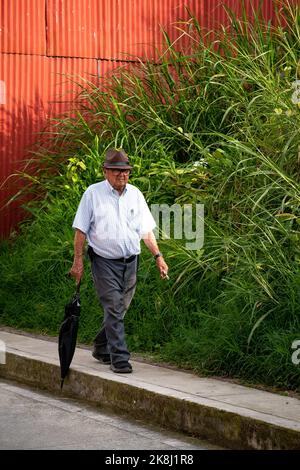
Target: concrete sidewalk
{"points": [[221, 412]]}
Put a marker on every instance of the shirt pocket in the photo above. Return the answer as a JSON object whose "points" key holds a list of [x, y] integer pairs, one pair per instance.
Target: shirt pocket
{"points": [[133, 218]]}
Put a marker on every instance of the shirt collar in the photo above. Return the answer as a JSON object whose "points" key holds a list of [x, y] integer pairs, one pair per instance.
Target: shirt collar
{"points": [[112, 190]]}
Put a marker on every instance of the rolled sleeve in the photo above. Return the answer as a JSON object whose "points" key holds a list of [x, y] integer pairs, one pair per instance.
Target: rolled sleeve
{"points": [[83, 215]]}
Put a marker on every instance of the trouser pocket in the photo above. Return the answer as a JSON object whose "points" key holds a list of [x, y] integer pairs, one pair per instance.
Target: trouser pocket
{"points": [[91, 253]]}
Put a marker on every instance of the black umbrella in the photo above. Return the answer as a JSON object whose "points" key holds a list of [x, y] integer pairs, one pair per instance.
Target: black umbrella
{"points": [[68, 334]]}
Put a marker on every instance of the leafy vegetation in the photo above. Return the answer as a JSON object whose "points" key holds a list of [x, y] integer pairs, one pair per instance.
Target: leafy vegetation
{"points": [[216, 125]]}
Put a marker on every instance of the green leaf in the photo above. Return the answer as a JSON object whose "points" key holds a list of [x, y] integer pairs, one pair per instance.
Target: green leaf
{"points": [[256, 326], [285, 216], [82, 165]]}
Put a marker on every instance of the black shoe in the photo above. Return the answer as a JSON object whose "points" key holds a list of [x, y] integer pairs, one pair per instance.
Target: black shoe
{"points": [[104, 358], [121, 367]]}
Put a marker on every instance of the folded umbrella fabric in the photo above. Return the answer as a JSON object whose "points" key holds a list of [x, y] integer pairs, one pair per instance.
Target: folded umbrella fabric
{"points": [[68, 334]]}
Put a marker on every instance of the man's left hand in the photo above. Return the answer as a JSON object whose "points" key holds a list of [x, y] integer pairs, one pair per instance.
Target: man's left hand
{"points": [[162, 267]]}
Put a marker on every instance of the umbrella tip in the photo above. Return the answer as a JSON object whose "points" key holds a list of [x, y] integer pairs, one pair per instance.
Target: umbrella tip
{"points": [[62, 383]]}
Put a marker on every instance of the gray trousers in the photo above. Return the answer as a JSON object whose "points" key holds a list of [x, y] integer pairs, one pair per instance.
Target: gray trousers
{"points": [[115, 283]]}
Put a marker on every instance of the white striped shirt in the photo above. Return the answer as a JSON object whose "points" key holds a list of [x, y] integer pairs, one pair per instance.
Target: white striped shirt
{"points": [[114, 224]]}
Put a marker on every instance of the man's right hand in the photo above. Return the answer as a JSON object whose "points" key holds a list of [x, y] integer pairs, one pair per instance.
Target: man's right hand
{"points": [[77, 269]]}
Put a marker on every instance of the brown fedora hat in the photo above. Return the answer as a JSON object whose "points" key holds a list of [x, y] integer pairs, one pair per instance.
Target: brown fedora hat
{"points": [[116, 159]]}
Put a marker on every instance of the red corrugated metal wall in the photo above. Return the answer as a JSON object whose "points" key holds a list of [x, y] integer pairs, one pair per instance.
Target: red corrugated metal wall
{"points": [[42, 39], [113, 29]]}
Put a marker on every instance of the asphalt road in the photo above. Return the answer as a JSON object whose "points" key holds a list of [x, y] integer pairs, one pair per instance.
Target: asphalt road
{"points": [[35, 420]]}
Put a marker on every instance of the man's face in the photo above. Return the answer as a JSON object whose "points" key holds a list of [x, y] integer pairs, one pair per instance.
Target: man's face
{"points": [[117, 178]]}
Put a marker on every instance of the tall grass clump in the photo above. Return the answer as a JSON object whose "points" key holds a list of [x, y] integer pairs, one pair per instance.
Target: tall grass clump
{"points": [[217, 124]]}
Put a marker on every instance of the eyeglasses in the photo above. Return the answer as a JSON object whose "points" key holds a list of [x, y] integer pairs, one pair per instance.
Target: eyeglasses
{"points": [[118, 172]]}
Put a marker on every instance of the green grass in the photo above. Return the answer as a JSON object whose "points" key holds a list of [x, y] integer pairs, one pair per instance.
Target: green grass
{"points": [[216, 126]]}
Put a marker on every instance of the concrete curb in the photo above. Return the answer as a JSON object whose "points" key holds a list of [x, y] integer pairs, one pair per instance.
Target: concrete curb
{"points": [[226, 425]]}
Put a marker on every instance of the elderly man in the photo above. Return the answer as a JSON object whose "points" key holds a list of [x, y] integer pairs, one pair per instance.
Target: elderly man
{"points": [[113, 216]]}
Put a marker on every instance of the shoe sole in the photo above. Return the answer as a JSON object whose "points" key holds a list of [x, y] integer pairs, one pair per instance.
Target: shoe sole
{"points": [[100, 359], [124, 370]]}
